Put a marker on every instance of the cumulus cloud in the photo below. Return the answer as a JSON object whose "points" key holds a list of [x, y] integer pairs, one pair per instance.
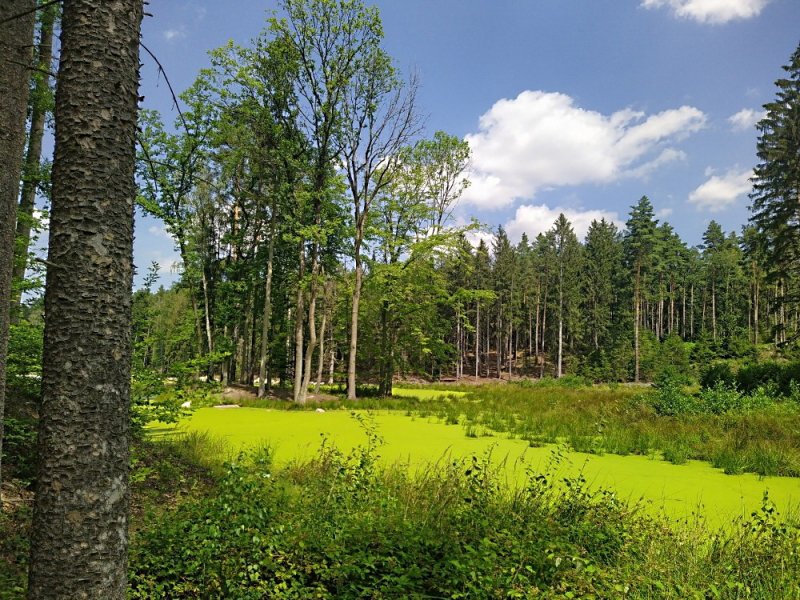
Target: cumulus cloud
{"points": [[535, 219], [714, 12], [746, 119], [721, 191], [541, 140]]}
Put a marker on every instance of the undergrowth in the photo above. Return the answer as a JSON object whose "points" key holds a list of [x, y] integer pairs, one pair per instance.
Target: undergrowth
{"points": [[341, 527]]}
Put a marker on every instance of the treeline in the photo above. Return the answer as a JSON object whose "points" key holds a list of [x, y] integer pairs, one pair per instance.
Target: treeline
{"points": [[619, 305], [312, 222]]}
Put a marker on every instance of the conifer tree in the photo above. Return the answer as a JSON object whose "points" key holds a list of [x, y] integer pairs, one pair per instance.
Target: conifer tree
{"points": [[776, 182], [640, 245]]}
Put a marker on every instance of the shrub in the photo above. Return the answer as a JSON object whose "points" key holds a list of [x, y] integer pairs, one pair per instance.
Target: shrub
{"points": [[670, 400], [780, 375], [716, 372], [721, 399]]}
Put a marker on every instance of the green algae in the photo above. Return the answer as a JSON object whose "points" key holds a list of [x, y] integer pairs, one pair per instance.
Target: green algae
{"points": [[688, 492], [425, 393]]}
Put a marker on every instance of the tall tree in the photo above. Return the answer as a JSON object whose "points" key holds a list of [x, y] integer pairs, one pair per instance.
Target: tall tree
{"points": [[776, 178], [328, 40], [640, 245], [568, 256], [444, 159], [713, 245], [379, 119], [602, 263], [80, 522], [16, 35], [32, 176]]}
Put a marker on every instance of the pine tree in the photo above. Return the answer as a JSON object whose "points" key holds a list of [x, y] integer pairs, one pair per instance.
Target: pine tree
{"points": [[603, 260], [640, 244], [776, 185], [568, 257]]}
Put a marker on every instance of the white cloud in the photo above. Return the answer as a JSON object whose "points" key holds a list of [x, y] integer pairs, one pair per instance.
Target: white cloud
{"points": [[535, 219], [159, 231], [720, 192], [668, 155], [174, 34], [169, 265], [714, 12], [474, 238], [746, 119], [541, 140], [43, 219], [664, 212]]}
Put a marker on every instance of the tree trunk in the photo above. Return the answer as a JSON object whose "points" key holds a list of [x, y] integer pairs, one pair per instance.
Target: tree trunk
{"points": [[683, 312], [714, 311], [755, 313], [636, 316], [16, 36], [263, 384], [80, 523], [32, 176], [499, 337], [477, 339], [312, 333], [298, 329], [332, 353], [207, 305], [544, 329], [351, 357], [321, 362], [560, 318]]}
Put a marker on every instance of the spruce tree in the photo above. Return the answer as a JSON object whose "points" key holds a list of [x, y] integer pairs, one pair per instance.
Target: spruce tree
{"points": [[776, 178], [641, 242]]}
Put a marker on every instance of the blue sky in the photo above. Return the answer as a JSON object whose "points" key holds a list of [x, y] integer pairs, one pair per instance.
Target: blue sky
{"points": [[574, 106]]}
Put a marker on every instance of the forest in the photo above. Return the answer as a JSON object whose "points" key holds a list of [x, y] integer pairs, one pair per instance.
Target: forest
{"points": [[322, 271]]}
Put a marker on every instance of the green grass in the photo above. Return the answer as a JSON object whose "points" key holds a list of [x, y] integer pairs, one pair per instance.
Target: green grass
{"points": [[678, 491]]}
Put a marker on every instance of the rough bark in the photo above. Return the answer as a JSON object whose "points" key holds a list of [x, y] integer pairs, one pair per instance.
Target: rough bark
{"points": [[33, 155], [16, 36], [80, 522]]}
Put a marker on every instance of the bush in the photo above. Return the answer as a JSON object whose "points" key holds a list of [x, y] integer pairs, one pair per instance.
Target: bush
{"points": [[670, 400], [721, 399], [781, 375], [752, 376], [717, 372]]}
